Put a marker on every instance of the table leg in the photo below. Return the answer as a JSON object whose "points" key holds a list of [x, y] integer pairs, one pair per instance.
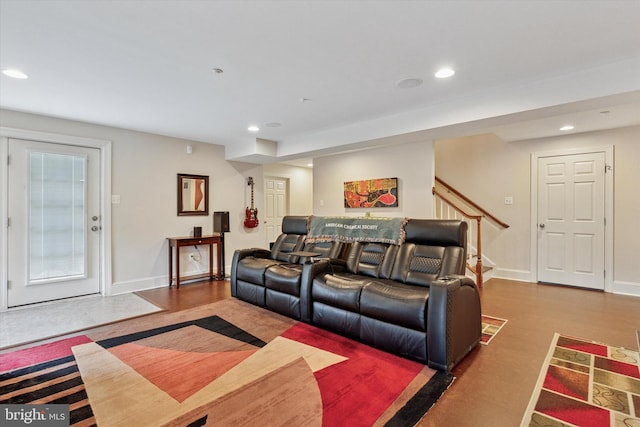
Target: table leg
{"points": [[221, 273], [170, 265], [178, 266], [210, 260]]}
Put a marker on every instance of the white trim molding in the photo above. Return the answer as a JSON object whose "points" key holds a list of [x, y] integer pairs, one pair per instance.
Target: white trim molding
{"points": [[512, 274], [626, 288], [142, 284]]}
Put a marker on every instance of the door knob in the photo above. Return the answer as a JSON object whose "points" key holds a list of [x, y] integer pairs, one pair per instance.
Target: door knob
{"points": [[94, 218], [95, 228], [541, 225]]}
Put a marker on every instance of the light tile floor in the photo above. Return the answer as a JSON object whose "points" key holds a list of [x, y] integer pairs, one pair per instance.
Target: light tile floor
{"points": [[24, 325]]}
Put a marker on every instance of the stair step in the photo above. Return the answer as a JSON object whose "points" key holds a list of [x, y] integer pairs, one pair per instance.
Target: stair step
{"points": [[471, 264], [485, 268]]}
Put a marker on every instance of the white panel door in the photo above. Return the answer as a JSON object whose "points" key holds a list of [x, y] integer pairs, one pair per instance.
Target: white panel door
{"points": [[276, 206], [571, 221], [54, 222]]}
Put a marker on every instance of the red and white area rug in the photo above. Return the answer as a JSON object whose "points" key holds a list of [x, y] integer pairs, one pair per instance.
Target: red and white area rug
{"points": [[584, 383], [227, 363]]}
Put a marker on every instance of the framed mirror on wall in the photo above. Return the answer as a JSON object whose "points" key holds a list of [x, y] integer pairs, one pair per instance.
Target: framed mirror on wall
{"points": [[193, 194]]}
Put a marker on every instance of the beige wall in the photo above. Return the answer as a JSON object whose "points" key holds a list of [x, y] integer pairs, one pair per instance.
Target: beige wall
{"points": [[144, 169], [412, 164], [487, 169]]}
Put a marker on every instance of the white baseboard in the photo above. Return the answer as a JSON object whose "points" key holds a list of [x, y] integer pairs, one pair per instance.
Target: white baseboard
{"points": [[618, 287], [510, 274], [626, 288], [129, 286], [136, 285]]}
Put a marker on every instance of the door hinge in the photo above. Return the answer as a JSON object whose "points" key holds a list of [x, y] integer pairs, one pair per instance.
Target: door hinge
{"points": [[8, 222], [8, 284], [8, 160]]}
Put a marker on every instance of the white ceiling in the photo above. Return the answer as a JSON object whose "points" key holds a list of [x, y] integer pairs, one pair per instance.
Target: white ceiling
{"points": [[523, 69]]}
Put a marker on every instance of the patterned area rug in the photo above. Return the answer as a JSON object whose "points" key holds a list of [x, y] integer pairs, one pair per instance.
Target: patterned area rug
{"points": [[490, 327], [227, 363], [583, 383]]}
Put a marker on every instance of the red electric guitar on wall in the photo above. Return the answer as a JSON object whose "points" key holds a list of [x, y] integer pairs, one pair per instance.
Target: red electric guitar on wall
{"points": [[251, 214]]}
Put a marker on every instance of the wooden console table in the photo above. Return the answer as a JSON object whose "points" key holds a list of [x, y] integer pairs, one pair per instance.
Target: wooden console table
{"points": [[178, 242]]}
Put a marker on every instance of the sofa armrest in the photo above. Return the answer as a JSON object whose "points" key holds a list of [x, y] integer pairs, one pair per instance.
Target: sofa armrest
{"points": [[309, 272], [454, 323], [238, 255]]}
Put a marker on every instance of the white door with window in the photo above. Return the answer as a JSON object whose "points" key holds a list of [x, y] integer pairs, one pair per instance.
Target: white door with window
{"points": [[571, 220], [276, 202], [54, 222]]}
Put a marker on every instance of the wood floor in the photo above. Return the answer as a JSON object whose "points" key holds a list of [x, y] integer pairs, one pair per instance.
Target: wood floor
{"points": [[494, 383]]}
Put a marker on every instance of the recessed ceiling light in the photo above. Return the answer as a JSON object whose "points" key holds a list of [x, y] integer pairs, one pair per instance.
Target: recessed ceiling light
{"points": [[16, 74], [409, 83], [253, 128], [566, 128], [444, 73], [310, 164], [273, 125]]}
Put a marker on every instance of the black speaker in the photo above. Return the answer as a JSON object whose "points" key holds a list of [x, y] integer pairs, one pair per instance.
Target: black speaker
{"points": [[221, 222]]}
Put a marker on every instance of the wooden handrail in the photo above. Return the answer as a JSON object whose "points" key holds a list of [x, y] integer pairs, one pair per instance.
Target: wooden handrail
{"points": [[470, 203]]}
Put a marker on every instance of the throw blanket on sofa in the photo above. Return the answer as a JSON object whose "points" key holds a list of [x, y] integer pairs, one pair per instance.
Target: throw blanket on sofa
{"points": [[352, 229]]}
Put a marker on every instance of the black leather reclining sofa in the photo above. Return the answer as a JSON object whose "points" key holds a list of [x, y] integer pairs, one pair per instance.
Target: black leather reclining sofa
{"points": [[410, 299]]}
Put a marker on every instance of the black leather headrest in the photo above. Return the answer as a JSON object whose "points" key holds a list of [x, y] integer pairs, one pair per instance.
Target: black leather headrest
{"points": [[294, 225], [436, 232]]}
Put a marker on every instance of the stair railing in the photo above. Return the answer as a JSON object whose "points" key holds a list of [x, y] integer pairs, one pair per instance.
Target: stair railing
{"points": [[459, 206]]}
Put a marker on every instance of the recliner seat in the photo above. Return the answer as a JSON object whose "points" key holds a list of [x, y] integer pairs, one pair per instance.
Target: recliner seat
{"points": [[248, 266], [282, 281], [384, 295], [271, 279]]}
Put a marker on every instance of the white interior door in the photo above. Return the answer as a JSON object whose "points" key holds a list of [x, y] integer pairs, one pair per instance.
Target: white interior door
{"points": [[571, 220], [54, 222], [276, 206]]}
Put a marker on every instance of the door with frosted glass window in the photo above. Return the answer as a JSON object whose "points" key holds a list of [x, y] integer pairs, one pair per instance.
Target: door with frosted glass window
{"points": [[54, 224]]}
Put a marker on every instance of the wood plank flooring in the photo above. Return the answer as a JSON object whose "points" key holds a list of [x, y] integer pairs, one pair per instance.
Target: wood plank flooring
{"points": [[189, 295], [494, 383]]}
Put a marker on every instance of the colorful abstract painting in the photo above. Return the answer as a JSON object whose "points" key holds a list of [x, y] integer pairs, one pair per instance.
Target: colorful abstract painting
{"points": [[371, 193]]}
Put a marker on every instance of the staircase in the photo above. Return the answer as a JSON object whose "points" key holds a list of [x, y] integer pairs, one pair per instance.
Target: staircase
{"points": [[449, 203]]}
